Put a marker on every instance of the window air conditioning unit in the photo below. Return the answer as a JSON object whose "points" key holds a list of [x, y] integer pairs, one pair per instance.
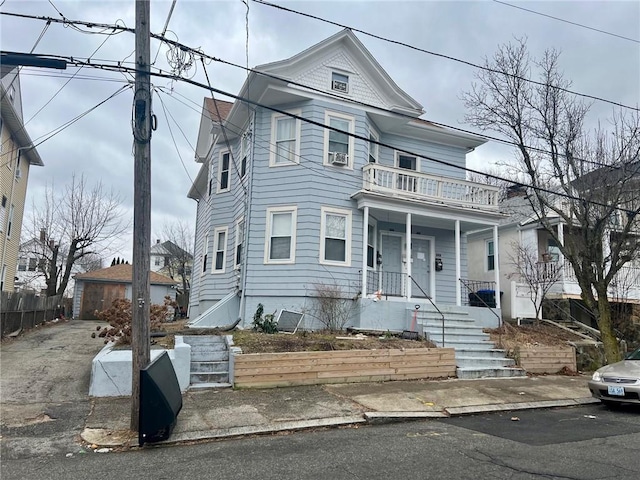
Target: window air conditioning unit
{"points": [[338, 158], [339, 86]]}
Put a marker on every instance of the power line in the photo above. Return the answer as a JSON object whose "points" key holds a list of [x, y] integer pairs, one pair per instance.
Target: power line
{"points": [[441, 55], [568, 21], [396, 42], [356, 136]]}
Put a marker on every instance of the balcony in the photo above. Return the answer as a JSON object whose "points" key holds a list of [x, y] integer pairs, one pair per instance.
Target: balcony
{"points": [[402, 183], [625, 286]]}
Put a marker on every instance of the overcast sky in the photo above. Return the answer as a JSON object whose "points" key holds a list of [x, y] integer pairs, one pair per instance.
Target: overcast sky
{"points": [[100, 144]]}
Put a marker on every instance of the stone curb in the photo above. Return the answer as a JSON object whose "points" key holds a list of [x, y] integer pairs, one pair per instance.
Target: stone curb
{"points": [[501, 407]]}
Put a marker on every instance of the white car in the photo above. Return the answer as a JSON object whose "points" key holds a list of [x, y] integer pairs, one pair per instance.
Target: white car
{"points": [[619, 382]]}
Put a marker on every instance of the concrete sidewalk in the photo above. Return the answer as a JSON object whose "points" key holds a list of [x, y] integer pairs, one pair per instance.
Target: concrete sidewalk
{"points": [[210, 414]]}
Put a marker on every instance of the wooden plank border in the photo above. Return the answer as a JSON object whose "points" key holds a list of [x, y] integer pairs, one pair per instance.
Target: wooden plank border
{"points": [[258, 370], [539, 359]]}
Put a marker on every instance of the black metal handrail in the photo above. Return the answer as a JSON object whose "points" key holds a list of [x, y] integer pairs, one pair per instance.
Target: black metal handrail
{"points": [[467, 284], [434, 305]]}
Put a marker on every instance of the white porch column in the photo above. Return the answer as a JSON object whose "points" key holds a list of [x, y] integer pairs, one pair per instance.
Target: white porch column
{"points": [[496, 262], [458, 271], [365, 250], [408, 255], [561, 240]]}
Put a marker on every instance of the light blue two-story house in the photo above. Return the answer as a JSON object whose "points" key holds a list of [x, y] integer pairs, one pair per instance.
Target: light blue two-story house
{"points": [[329, 179]]}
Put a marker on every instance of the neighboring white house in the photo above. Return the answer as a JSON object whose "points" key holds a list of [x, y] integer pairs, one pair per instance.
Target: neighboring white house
{"points": [[29, 277], [332, 180], [522, 229]]}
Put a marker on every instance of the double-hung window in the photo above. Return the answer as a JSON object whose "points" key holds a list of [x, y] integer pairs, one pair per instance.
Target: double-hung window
{"points": [[220, 249], [339, 146], [407, 162], [239, 241], [280, 241], [491, 256], [373, 147], [205, 252], [371, 246], [285, 136], [224, 165], [335, 241], [244, 154], [339, 82]]}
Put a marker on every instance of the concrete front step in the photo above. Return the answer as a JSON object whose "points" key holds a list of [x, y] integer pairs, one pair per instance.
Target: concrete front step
{"points": [[463, 345], [211, 385], [209, 367], [219, 356], [480, 352], [204, 339], [504, 372], [201, 377], [455, 338], [453, 330], [484, 362]]}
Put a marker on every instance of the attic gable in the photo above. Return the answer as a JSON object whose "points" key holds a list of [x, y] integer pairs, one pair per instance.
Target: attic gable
{"points": [[344, 54]]}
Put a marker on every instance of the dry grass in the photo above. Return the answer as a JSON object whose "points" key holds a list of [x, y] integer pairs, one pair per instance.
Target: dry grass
{"points": [[510, 336]]}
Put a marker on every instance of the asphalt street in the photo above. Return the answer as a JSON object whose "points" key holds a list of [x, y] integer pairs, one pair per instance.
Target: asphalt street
{"points": [[585, 443]]}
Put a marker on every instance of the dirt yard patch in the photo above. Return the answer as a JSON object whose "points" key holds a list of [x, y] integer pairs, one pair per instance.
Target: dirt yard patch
{"points": [[254, 342], [510, 336]]}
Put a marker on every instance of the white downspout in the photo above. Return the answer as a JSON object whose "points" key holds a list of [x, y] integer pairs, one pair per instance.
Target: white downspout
{"points": [[365, 251], [408, 256]]}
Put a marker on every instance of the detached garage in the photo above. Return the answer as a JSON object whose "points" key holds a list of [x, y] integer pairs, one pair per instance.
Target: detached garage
{"points": [[98, 289]]}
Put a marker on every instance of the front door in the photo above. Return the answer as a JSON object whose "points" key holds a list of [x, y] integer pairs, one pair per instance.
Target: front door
{"points": [[420, 266], [392, 268]]}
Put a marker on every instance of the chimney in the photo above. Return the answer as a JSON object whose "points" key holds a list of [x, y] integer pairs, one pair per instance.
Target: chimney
{"points": [[516, 190]]}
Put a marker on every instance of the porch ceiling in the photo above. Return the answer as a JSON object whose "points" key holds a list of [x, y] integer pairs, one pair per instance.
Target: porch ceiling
{"points": [[424, 214]]}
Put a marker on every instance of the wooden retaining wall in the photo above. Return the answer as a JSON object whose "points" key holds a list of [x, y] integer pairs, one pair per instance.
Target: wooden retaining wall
{"points": [[538, 359], [343, 366]]}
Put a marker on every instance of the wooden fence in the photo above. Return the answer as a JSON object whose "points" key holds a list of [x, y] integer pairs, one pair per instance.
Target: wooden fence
{"points": [[538, 359], [22, 311], [344, 366]]}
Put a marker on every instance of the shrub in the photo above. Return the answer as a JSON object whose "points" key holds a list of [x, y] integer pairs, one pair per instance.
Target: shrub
{"points": [[332, 308], [119, 317], [266, 323]]}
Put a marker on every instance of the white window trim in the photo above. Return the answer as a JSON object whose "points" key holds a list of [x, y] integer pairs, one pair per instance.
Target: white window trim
{"points": [[344, 73], [373, 133], [348, 229], [238, 242], [397, 160], [274, 132], [10, 221], [205, 253], [373, 223], [216, 249], [351, 147], [245, 148], [267, 237], [486, 255], [219, 188]]}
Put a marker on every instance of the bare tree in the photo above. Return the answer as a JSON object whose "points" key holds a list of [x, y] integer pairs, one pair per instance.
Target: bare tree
{"points": [[587, 181], [74, 226], [538, 276], [178, 247]]}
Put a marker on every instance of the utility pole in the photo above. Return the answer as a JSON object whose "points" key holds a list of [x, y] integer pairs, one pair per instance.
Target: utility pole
{"points": [[140, 343]]}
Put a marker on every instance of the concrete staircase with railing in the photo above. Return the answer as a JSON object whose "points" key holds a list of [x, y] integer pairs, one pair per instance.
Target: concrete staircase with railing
{"points": [[209, 361], [476, 355]]}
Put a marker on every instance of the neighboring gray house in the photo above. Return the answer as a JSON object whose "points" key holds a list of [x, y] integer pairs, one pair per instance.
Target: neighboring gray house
{"points": [[96, 290], [287, 207]]}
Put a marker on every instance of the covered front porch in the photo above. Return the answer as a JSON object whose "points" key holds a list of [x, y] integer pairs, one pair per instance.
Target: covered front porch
{"points": [[414, 230]]}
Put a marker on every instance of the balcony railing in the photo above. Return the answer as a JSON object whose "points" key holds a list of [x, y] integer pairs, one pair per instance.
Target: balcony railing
{"points": [[402, 182]]}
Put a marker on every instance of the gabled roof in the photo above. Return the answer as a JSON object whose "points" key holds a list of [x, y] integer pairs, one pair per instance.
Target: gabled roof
{"points": [[13, 121], [122, 273], [168, 248]]}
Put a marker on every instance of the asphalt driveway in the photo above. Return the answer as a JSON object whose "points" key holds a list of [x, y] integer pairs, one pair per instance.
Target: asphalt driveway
{"points": [[44, 388]]}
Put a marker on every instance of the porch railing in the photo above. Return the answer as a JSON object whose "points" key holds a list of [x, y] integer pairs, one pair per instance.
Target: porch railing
{"points": [[389, 284], [400, 181], [472, 290], [432, 303]]}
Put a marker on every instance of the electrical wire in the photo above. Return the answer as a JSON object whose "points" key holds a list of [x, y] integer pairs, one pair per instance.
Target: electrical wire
{"points": [[568, 21], [397, 42], [441, 55]]}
